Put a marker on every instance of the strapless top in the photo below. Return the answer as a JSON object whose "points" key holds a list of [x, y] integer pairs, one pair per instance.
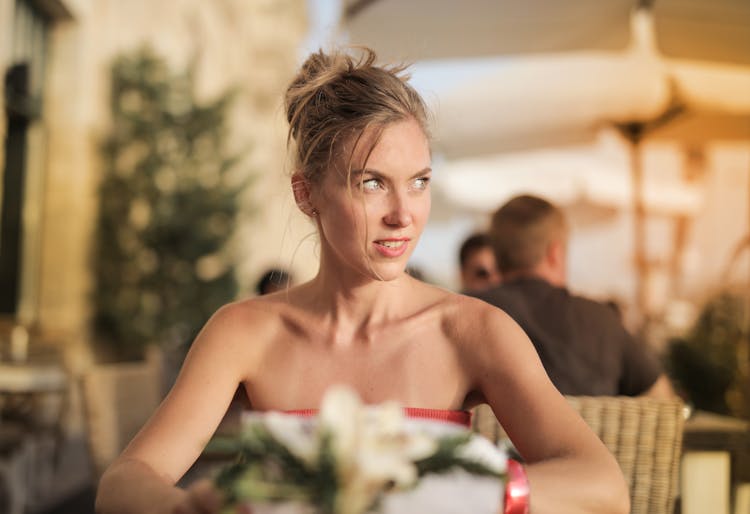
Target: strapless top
{"points": [[460, 417]]}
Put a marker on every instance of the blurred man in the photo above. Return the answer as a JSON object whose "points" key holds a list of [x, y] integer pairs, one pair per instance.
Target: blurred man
{"points": [[583, 344], [478, 267]]}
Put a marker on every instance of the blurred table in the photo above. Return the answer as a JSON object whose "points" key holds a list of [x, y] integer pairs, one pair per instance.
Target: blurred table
{"points": [[716, 458], [32, 402], [32, 392], [31, 378]]}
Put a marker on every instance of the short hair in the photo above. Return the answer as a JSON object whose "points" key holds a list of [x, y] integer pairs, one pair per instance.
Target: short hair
{"points": [[522, 229], [471, 244], [273, 278]]}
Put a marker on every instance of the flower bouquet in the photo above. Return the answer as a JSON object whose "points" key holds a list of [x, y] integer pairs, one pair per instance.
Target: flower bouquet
{"points": [[355, 459]]}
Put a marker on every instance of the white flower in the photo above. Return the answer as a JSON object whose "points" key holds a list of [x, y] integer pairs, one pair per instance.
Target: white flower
{"points": [[387, 451], [289, 431], [356, 452], [339, 417], [371, 446], [482, 451]]}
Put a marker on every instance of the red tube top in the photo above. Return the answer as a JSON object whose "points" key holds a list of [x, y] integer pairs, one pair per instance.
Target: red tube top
{"points": [[460, 417]]}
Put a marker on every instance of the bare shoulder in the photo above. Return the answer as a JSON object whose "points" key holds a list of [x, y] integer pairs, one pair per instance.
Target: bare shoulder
{"points": [[238, 331], [489, 342], [458, 312], [465, 320], [469, 319], [233, 320]]}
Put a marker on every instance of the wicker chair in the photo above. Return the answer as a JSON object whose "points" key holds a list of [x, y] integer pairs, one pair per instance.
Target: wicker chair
{"points": [[644, 435]]}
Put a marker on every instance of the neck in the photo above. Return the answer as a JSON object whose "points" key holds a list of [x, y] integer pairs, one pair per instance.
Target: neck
{"points": [[351, 308], [542, 272]]}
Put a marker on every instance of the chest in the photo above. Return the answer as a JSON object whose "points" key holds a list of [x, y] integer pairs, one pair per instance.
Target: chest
{"points": [[421, 370]]}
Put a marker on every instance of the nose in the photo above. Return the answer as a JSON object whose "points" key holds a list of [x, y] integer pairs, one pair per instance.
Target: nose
{"points": [[399, 212]]}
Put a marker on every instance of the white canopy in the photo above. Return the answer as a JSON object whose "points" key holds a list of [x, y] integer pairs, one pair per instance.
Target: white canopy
{"points": [[715, 30], [551, 100], [595, 176]]}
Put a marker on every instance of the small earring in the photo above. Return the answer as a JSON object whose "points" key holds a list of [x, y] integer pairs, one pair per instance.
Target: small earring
{"points": [[314, 211]]}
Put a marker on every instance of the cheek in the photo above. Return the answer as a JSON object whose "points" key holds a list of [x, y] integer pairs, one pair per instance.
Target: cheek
{"points": [[344, 218], [423, 209]]}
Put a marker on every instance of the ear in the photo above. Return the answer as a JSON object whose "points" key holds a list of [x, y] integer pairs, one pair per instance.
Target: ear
{"points": [[557, 259], [556, 252], [301, 190]]}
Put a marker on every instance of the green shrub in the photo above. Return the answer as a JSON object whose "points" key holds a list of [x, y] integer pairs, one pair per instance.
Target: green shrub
{"points": [[168, 201]]}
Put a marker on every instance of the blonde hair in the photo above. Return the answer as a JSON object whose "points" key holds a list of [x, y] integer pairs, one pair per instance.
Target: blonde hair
{"points": [[336, 97]]}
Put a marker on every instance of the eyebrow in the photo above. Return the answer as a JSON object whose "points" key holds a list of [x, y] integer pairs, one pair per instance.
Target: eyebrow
{"points": [[357, 174]]}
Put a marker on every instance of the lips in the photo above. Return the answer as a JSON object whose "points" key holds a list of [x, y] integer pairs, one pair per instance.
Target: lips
{"points": [[392, 247]]}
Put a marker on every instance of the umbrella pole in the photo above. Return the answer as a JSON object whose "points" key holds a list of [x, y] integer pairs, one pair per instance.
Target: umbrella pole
{"points": [[633, 132]]}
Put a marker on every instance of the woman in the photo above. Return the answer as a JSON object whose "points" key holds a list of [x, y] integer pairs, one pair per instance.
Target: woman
{"points": [[362, 175]]}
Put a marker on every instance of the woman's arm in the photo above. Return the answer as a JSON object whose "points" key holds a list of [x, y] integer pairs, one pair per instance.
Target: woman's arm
{"points": [[568, 467], [131, 485], [142, 479]]}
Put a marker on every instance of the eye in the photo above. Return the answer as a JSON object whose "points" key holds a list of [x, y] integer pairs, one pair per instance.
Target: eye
{"points": [[421, 183], [481, 273], [371, 184]]}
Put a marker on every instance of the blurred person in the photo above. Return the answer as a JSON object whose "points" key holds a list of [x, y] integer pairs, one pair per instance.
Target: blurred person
{"points": [[362, 175], [477, 261], [273, 280], [583, 344]]}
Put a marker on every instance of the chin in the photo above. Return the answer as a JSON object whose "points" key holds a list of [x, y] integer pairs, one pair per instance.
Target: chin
{"points": [[390, 277], [388, 272]]}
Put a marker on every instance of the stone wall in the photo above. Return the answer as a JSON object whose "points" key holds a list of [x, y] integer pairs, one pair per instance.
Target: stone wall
{"points": [[249, 45]]}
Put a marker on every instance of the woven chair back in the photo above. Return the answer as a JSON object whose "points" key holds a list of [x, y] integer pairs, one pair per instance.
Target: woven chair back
{"points": [[644, 435]]}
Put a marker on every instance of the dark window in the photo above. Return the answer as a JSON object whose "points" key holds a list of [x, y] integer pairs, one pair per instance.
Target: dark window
{"points": [[22, 91], [16, 92]]}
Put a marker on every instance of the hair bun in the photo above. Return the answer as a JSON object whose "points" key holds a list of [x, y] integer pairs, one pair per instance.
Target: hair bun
{"points": [[319, 70], [337, 94]]}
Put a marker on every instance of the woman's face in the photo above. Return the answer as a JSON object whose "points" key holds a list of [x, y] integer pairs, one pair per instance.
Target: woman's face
{"points": [[370, 219]]}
